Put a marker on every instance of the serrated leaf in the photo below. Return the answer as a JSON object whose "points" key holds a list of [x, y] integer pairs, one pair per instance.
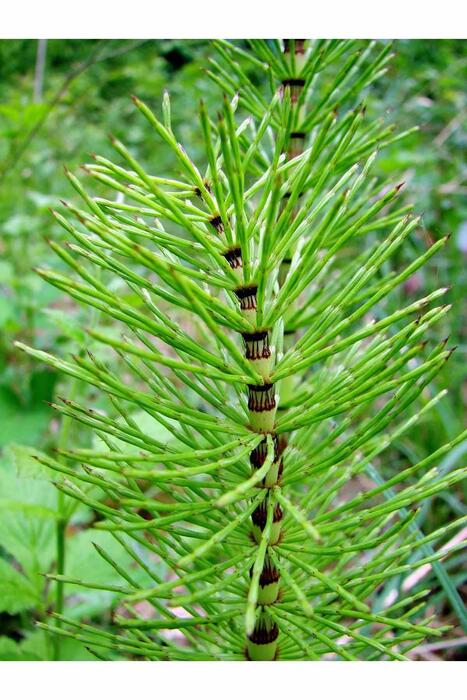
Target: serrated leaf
{"points": [[25, 424], [38, 647], [13, 651], [29, 539], [16, 592], [22, 459]]}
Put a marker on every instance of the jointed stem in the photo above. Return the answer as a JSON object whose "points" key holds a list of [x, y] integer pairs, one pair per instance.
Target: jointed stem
{"points": [[262, 642]]}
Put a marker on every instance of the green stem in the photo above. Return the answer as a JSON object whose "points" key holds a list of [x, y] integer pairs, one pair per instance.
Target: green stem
{"points": [[263, 639], [60, 530], [294, 54], [59, 590]]}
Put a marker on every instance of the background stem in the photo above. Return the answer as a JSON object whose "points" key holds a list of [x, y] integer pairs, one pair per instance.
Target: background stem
{"points": [[40, 69], [60, 531]]}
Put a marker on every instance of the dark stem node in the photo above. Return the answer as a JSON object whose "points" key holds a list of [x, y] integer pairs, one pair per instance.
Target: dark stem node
{"points": [[233, 257], [257, 345], [216, 222], [260, 514], [264, 634], [247, 297], [261, 397]]}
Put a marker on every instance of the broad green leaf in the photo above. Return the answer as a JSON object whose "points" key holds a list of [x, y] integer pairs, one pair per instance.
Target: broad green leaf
{"points": [[21, 423], [39, 645], [27, 508], [14, 651], [16, 592]]}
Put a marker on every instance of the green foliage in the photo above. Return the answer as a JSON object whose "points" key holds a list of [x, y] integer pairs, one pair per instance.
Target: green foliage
{"points": [[27, 523], [17, 593], [432, 160], [28, 519], [85, 83], [181, 471]]}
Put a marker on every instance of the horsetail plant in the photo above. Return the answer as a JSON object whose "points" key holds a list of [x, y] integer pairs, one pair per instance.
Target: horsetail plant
{"points": [[255, 331]]}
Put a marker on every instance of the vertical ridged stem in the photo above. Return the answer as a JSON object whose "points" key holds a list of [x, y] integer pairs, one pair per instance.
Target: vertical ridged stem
{"points": [[262, 643], [294, 52]]}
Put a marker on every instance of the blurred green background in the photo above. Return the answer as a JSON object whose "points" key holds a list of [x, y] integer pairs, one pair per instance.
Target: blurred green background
{"points": [[59, 99]]}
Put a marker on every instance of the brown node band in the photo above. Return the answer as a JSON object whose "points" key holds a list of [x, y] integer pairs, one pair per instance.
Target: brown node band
{"points": [[257, 335], [293, 82], [299, 45], [261, 397], [259, 454], [260, 514], [295, 85], [280, 470], [244, 292], [297, 135], [269, 573], [233, 257], [198, 192], [264, 635], [287, 195], [216, 222], [247, 297], [257, 345]]}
